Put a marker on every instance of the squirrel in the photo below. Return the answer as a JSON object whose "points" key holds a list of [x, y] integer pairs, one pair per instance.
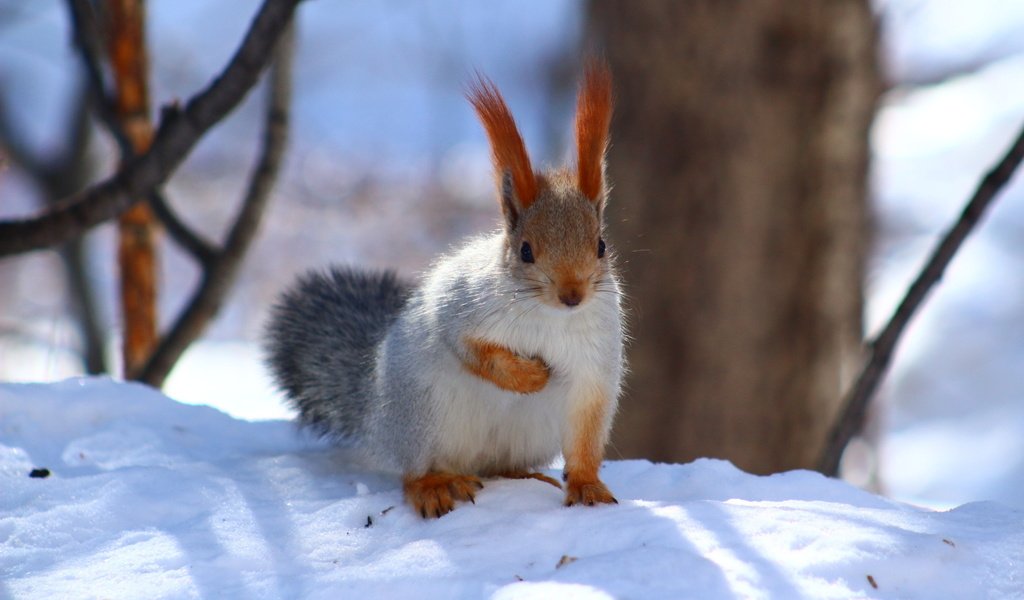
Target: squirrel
{"points": [[507, 352]]}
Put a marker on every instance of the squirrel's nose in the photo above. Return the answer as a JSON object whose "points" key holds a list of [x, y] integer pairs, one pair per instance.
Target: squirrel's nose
{"points": [[571, 297]]}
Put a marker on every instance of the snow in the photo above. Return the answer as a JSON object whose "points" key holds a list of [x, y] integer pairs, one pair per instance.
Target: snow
{"points": [[379, 89], [152, 498]]}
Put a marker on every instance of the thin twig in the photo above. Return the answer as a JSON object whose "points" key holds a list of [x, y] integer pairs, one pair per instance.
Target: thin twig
{"points": [[855, 404], [55, 178], [180, 130], [201, 250], [16, 148], [87, 40], [72, 174], [85, 31], [220, 272]]}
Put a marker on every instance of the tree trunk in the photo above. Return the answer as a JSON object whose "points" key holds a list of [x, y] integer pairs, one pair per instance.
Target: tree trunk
{"points": [[738, 159], [137, 226]]}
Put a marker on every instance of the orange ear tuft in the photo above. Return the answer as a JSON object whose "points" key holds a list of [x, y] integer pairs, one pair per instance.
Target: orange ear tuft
{"points": [[507, 148], [593, 118]]}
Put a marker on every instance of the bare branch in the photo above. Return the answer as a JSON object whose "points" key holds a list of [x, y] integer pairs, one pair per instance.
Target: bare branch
{"points": [[69, 173], [855, 404], [54, 178], [201, 250], [87, 40], [57, 175], [219, 273], [179, 131], [16, 148], [86, 311], [86, 34]]}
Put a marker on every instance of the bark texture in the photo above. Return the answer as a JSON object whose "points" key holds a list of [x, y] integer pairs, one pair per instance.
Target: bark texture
{"points": [[738, 159], [136, 226]]}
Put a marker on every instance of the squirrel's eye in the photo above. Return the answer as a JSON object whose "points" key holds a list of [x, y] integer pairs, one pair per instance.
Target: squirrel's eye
{"points": [[526, 252], [600, 248]]}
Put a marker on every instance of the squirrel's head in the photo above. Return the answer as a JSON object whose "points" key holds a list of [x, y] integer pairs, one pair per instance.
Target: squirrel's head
{"points": [[553, 220]]}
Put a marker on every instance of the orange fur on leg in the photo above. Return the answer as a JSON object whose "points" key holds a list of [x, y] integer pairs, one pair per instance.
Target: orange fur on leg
{"points": [[584, 452], [435, 494], [504, 368]]}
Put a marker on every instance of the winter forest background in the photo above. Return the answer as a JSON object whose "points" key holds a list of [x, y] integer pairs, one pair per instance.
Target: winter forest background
{"points": [[387, 167]]}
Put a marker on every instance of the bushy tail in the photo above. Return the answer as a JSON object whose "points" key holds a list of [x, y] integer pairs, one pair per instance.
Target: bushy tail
{"points": [[321, 341]]}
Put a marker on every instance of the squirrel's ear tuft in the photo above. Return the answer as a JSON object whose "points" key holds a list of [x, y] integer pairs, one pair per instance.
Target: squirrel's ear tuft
{"points": [[507, 149], [593, 118]]}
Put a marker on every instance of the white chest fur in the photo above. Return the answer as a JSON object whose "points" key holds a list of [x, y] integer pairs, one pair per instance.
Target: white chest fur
{"points": [[486, 430]]}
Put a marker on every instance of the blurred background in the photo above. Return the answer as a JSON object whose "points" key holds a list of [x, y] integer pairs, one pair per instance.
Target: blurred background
{"points": [[387, 167]]}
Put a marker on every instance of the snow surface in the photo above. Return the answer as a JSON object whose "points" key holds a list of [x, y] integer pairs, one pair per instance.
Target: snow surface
{"points": [[151, 498], [379, 89]]}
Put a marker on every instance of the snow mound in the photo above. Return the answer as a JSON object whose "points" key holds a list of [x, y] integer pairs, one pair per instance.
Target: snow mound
{"points": [[150, 498]]}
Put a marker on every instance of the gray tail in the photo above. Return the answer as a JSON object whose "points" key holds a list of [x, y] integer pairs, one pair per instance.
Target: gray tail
{"points": [[321, 342]]}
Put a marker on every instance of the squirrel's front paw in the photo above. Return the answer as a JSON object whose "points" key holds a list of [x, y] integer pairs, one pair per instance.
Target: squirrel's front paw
{"points": [[506, 369], [435, 494], [588, 493], [527, 375]]}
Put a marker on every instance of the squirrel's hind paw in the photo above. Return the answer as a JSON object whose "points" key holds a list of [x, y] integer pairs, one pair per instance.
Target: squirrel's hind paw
{"points": [[434, 494], [588, 493]]}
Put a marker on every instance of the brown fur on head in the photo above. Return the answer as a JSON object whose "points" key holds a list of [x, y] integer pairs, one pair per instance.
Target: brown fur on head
{"points": [[553, 220]]}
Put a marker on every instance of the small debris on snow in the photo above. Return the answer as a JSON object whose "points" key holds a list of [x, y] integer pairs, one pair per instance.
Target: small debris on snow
{"points": [[871, 580], [565, 560], [369, 521], [41, 473], [387, 510], [948, 542]]}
